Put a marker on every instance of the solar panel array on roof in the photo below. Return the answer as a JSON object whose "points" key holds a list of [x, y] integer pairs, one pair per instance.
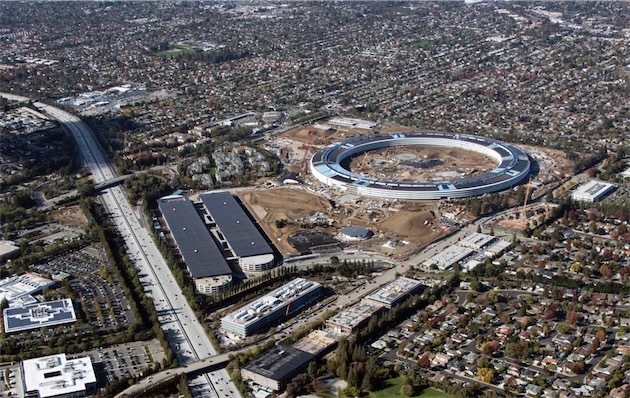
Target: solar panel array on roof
{"points": [[199, 250], [235, 225], [33, 316]]}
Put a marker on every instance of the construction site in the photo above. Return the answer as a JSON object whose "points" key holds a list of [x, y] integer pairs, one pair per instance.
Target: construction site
{"points": [[301, 215]]}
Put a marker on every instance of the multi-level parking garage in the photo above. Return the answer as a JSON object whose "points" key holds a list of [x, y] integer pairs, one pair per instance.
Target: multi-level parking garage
{"points": [[512, 166]]}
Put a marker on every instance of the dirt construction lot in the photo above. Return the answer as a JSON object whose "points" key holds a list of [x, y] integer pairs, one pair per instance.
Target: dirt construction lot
{"points": [[71, 215], [271, 205], [285, 211]]}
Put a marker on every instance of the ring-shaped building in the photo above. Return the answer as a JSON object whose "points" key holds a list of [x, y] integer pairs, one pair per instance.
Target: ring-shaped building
{"points": [[513, 166]]}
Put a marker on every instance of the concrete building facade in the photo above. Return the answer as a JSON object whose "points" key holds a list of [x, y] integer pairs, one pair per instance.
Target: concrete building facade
{"points": [[262, 312]]}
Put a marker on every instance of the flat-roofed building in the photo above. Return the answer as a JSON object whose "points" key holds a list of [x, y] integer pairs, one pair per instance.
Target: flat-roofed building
{"points": [[55, 376], [449, 256], [497, 248], [592, 191], [317, 342], [476, 240], [348, 320], [37, 315], [393, 292], [203, 258], [350, 122], [8, 249], [276, 367], [262, 312], [237, 231], [22, 286]]}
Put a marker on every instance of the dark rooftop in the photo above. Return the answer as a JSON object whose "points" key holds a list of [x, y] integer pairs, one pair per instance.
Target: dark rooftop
{"points": [[239, 230], [357, 232], [199, 250], [279, 362]]}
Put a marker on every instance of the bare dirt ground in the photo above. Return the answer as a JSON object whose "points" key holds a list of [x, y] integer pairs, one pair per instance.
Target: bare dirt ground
{"points": [[414, 223], [422, 163], [271, 205], [407, 226], [71, 216]]}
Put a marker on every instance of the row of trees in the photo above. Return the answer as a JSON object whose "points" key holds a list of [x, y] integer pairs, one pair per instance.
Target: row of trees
{"points": [[146, 325]]}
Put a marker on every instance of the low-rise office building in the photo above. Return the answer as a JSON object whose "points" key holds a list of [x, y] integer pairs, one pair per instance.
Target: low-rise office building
{"points": [[275, 368], [38, 315], [394, 292], [350, 319], [592, 191], [262, 312], [55, 376]]}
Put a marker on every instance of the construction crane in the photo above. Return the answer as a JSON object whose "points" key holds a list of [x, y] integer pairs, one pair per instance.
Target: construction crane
{"points": [[523, 212], [364, 162], [307, 147]]}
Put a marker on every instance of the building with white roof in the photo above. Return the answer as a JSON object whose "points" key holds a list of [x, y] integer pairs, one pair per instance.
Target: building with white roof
{"points": [[8, 249], [21, 286], [393, 292], [262, 312], [350, 122], [55, 376], [348, 320], [37, 315], [497, 248], [476, 240], [592, 191], [449, 256]]}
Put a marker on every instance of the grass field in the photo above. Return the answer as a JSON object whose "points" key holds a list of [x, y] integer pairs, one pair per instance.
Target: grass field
{"points": [[174, 52], [393, 391]]}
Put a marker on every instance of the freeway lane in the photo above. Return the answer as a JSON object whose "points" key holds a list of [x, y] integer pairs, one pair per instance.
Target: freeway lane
{"points": [[184, 332]]}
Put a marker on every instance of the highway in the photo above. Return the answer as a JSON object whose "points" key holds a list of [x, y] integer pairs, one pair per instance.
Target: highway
{"points": [[184, 332]]}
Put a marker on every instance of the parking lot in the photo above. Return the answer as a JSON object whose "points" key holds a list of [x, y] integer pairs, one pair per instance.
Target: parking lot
{"points": [[9, 378], [124, 361], [98, 292]]}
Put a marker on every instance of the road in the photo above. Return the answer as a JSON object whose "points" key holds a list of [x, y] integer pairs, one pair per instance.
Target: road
{"points": [[184, 332]]}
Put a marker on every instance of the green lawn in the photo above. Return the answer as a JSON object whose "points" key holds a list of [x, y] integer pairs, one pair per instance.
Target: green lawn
{"points": [[174, 51], [393, 391]]}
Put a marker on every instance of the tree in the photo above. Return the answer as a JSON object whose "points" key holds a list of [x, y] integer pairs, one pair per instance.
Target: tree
{"points": [[351, 391], [424, 361], [605, 271], [596, 343], [578, 367], [550, 311], [490, 347], [573, 317], [366, 383], [601, 334], [485, 374], [311, 370], [406, 389], [353, 378], [476, 285]]}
